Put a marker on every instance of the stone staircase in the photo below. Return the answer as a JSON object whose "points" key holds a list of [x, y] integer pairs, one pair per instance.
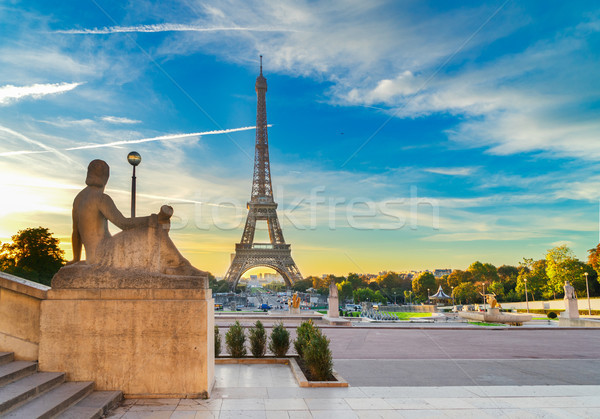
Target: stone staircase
{"points": [[27, 393]]}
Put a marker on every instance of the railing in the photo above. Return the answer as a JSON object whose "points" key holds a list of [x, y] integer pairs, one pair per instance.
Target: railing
{"points": [[243, 246]]}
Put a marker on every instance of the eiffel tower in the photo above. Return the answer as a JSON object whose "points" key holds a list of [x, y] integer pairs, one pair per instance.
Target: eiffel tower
{"points": [[261, 207]]}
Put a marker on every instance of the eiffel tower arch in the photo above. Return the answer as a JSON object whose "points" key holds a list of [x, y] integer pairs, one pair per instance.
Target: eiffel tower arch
{"points": [[276, 254]]}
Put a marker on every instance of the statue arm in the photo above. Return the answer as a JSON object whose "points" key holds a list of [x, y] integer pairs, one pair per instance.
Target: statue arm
{"points": [[112, 214], [76, 241]]}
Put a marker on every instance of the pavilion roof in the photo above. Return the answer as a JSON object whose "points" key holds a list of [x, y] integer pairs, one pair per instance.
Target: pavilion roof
{"points": [[440, 295]]}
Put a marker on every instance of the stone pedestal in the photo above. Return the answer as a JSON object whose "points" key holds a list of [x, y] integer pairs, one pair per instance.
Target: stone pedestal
{"points": [[295, 310], [571, 309], [153, 343], [333, 311]]}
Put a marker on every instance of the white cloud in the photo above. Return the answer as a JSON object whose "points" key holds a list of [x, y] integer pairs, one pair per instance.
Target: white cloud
{"points": [[10, 93], [119, 120], [567, 243], [451, 171]]}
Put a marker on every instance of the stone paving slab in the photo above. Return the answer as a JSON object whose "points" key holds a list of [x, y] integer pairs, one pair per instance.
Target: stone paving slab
{"points": [[290, 401], [525, 401], [486, 372]]}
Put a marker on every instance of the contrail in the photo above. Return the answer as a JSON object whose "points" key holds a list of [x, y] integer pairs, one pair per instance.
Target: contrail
{"points": [[167, 27], [37, 143], [161, 138], [115, 143]]}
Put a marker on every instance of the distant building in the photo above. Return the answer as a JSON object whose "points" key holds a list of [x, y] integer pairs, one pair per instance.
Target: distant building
{"points": [[438, 273]]}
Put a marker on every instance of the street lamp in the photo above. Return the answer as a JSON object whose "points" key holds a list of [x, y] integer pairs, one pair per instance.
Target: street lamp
{"points": [[134, 159], [587, 287], [395, 298], [526, 297], [483, 296], [427, 295], [453, 303]]}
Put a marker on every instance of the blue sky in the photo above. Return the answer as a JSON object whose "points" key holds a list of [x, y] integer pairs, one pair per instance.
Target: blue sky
{"points": [[405, 135]]}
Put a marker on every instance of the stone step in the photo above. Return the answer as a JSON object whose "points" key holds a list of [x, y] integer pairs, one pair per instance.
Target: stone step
{"points": [[96, 405], [16, 370], [6, 357], [53, 402], [19, 392]]}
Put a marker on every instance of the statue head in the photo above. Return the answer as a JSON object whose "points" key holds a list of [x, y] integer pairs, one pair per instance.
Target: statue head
{"points": [[98, 173]]}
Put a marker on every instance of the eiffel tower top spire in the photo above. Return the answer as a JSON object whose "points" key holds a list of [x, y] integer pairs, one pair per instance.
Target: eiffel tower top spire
{"points": [[262, 190]]}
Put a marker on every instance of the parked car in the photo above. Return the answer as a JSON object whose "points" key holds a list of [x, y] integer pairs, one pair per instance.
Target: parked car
{"points": [[265, 307]]}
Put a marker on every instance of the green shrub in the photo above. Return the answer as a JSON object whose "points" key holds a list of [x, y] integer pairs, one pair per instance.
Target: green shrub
{"points": [[279, 342], [552, 315], [317, 356], [235, 340], [258, 340], [217, 341], [303, 335]]}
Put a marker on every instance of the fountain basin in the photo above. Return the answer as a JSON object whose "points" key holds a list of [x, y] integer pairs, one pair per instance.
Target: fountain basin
{"points": [[493, 315]]}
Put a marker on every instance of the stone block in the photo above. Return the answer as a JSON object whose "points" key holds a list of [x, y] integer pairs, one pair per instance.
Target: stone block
{"points": [[571, 309], [20, 319], [146, 343], [333, 310]]}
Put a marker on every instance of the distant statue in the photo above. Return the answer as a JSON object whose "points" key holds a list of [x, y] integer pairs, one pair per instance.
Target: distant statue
{"points": [[141, 251], [491, 300], [295, 300], [333, 290], [570, 292]]}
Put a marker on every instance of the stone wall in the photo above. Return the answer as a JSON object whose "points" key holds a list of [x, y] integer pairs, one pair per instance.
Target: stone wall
{"points": [[145, 342], [558, 304], [20, 302]]}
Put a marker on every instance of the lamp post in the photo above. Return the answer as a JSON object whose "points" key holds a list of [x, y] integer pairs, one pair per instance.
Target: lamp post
{"points": [[427, 295], [483, 296], [526, 297], [587, 288], [453, 303], [134, 159]]}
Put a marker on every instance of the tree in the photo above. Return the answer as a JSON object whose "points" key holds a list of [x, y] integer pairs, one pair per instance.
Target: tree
{"points": [[302, 285], [33, 254], [594, 259], [421, 283], [457, 277], [356, 281], [483, 272], [218, 286], [366, 294], [508, 276], [506, 272], [561, 266], [345, 290], [497, 288], [465, 293], [537, 279]]}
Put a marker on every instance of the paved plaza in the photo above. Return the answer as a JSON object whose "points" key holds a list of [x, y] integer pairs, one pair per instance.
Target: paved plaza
{"points": [[419, 372]]}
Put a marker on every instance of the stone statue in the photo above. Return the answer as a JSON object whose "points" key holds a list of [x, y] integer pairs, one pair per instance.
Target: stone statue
{"points": [[571, 304], [140, 256], [333, 303], [333, 290], [491, 300], [569, 292], [295, 300]]}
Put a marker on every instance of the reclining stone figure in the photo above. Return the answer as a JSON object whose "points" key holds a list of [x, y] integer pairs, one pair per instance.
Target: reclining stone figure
{"points": [[141, 256]]}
